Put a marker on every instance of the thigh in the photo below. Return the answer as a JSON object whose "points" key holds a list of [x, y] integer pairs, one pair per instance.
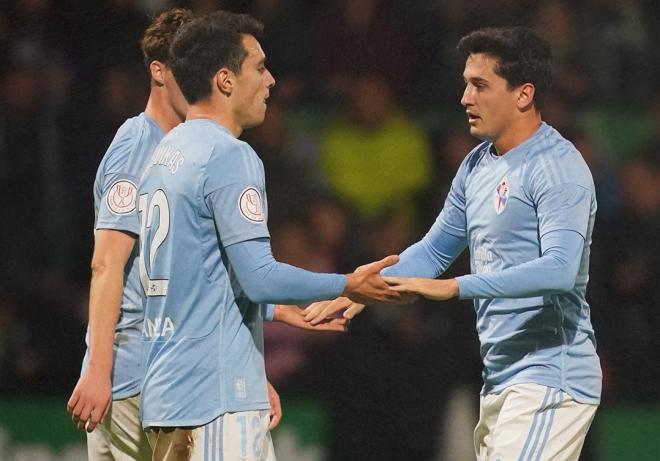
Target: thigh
{"points": [[539, 423], [120, 437], [245, 436], [230, 437], [98, 444]]}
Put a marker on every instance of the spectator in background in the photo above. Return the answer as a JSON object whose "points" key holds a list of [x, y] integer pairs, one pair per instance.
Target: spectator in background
{"points": [[630, 318], [356, 37], [376, 159], [556, 22], [290, 162]]}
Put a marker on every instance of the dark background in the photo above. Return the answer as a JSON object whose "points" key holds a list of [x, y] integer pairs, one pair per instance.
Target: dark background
{"points": [[363, 134]]}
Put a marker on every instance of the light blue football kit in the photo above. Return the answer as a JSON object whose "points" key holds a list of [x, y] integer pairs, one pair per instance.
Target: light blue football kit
{"points": [[527, 217], [207, 270], [115, 196]]}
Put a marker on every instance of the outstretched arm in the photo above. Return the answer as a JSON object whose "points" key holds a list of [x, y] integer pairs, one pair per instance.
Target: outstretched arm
{"points": [[266, 280], [427, 258], [554, 272]]}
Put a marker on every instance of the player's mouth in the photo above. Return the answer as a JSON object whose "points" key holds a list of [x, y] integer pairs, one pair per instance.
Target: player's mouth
{"points": [[472, 118]]}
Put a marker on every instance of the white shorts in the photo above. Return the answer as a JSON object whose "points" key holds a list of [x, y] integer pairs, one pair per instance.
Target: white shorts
{"points": [[231, 437], [531, 422], [120, 437]]}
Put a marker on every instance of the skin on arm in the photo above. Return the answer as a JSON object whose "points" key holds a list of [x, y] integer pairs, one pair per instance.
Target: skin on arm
{"points": [[436, 290], [275, 407], [295, 317], [320, 312], [91, 398]]}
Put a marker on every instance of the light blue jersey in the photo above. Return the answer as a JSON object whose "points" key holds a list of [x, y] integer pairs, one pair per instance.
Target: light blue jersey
{"points": [[202, 191], [115, 197], [527, 217]]}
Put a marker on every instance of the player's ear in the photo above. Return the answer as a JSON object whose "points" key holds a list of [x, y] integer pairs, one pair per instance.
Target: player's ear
{"points": [[526, 93], [224, 80], [157, 70]]}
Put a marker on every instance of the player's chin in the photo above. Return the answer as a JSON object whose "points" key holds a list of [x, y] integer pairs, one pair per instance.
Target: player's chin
{"points": [[256, 120]]}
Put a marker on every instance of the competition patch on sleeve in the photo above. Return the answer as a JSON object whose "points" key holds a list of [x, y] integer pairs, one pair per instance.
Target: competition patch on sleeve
{"points": [[121, 197], [249, 204]]}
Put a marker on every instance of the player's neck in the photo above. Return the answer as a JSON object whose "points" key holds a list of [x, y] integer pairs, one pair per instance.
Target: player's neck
{"points": [[518, 132], [159, 109], [217, 113]]}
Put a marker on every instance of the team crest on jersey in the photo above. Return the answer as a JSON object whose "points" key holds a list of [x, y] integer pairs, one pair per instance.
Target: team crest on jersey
{"points": [[501, 195], [250, 205], [121, 197]]}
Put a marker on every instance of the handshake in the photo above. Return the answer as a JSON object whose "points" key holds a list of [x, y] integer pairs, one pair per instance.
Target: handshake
{"points": [[367, 286]]}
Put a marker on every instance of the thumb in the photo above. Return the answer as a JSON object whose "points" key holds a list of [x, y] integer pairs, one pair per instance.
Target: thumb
{"points": [[385, 262]]}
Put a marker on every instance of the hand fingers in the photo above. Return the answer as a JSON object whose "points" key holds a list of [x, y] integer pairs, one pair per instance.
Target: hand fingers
{"points": [[335, 325], [327, 310], [402, 288], [275, 419], [82, 418], [313, 310], [354, 310], [394, 280], [386, 262], [73, 400]]}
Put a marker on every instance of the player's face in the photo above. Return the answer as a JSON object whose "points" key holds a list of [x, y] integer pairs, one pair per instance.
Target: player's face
{"points": [[253, 85], [174, 95], [489, 102]]}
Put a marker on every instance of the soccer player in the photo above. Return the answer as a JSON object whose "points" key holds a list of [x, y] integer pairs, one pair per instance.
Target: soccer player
{"points": [[205, 258], [524, 203], [112, 367]]}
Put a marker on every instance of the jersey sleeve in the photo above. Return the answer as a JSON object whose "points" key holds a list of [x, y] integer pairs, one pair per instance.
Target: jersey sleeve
{"points": [[118, 187], [562, 191], [235, 194], [452, 217]]}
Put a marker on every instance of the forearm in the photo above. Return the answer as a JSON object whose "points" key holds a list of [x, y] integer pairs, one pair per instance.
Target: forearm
{"points": [[266, 280], [554, 272], [105, 297], [429, 257]]}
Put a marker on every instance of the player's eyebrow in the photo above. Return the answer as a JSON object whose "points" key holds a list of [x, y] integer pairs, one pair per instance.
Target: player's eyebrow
{"points": [[475, 80]]}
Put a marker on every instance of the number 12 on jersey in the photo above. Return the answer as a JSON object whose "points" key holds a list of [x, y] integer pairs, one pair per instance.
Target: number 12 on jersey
{"points": [[146, 208]]}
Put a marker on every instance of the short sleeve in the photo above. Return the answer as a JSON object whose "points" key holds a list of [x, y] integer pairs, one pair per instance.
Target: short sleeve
{"points": [[117, 186], [235, 194]]}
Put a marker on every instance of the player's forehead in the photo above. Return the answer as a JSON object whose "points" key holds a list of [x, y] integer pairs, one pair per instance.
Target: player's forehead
{"points": [[253, 48], [480, 65]]}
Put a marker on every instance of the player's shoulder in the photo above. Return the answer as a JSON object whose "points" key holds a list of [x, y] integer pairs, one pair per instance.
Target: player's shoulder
{"points": [[230, 150], [555, 156], [127, 140]]}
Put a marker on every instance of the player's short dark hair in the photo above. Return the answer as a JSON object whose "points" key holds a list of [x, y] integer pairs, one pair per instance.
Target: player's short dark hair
{"points": [[522, 56], [205, 46], [156, 41]]}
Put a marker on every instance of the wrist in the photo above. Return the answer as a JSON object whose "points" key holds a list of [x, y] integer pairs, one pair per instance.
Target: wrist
{"points": [[277, 313], [103, 367], [350, 284], [455, 289]]}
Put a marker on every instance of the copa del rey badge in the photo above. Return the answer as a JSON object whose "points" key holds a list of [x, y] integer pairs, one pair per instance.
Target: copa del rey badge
{"points": [[250, 205], [121, 197], [501, 196]]}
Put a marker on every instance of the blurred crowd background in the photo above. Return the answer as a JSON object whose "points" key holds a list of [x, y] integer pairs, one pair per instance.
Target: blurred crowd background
{"points": [[363, 134]]}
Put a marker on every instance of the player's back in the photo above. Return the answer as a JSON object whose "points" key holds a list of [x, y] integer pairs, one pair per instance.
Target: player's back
{"points": [[115, 191], [204, 340]]}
